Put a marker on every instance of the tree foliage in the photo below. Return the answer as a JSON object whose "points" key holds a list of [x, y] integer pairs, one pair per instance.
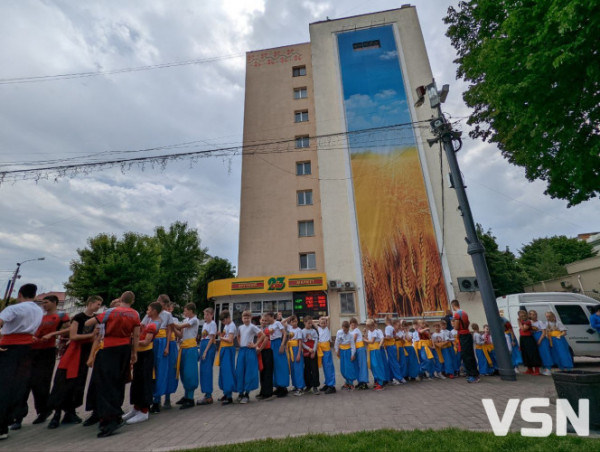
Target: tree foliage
{"points": [[507, 274], [215, 268], [534, 73], [545, 258]]}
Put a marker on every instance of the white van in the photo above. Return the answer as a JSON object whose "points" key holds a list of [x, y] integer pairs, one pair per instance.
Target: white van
{"points": [[572, 309]]}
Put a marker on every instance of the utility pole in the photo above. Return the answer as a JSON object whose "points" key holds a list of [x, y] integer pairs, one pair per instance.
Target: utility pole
{"points": [[13, 281], [443, 132]]}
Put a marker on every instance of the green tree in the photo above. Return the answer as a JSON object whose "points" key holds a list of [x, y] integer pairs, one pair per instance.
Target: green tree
{"points": [[545, 258], [181, 259], [109, 266], [533, 69], [215, 268], [507, 274]]}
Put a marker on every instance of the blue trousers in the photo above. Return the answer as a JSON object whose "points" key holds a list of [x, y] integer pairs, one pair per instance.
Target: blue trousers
{"points": [[172, 381], [328, 369], [227, 382], [413, 367], [297, 369], [206, 367], [386, 365], [403, 361], [544, 349], [188, 370], [161, 369], [484, 367], [394, 364], [561, 354], [377, 368], [347, 366], [427, 365], [449, 360], [281, 367], [246, 370], [361, 365]]}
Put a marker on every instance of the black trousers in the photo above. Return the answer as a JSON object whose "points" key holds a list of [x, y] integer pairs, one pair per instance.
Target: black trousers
{"points": [[110, 374], [530, 352], [42, 368], [67, 394], [311, 371], [266, 375], [15, 369], [140, 394], [467, 354]]}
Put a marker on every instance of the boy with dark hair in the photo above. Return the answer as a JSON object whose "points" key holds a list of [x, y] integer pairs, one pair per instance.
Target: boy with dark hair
{"points": [[71, 374], [187, 363], [140, 395], [113, 361], [18, 324]]}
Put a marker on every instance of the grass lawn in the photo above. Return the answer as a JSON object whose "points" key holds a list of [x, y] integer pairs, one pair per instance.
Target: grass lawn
{"points": [[417, 440]]}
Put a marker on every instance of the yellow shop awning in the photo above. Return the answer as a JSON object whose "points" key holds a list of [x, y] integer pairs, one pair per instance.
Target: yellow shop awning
{"points": [[267, 284]]}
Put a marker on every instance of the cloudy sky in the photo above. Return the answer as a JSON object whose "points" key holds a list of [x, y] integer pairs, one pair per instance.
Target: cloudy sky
{"points": [[48, 120]]}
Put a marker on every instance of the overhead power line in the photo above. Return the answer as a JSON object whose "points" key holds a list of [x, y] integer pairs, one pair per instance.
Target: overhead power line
{"points": [[327, 141], [49, 78]]}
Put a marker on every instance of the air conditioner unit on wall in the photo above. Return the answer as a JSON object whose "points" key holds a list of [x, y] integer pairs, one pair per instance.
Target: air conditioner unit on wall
{"points": [[468, 284], [348, 285], [335, 284]]}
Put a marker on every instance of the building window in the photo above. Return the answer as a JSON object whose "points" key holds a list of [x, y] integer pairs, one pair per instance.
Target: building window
{"points": [[300, 93], [306, 228], [302, 142], [301, 116], [299, 71], [308, 261], [303, 168], [305, 198], [347, 303]]}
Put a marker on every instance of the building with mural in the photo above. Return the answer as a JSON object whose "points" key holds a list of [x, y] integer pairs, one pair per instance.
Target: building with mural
{"points": [[345, 209]]}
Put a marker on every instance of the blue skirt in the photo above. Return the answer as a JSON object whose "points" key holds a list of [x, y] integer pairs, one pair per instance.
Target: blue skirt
{"points": [[281, 367], [227, 370], [377, 368], [328, 368], [188, 368], [206, 367], [361, 366], [561, 354], [413, 368], [297, 369], [347, 366], [544, 349], [246, 370], [394, 364]]}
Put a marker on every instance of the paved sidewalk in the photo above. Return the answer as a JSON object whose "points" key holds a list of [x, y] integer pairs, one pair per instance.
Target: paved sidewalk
{"points": [[412, 406]]}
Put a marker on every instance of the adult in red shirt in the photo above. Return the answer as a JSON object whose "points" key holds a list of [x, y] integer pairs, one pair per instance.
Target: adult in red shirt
{"points": [[112, 364], [461, 324], [43, 359]]}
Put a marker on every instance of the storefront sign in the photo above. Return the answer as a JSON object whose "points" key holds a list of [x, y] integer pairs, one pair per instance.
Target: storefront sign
{"points": [[267, 284]]}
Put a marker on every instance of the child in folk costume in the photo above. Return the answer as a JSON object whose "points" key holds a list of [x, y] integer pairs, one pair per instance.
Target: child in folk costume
{"points": [[246, 368], [163, 351], [187, 361], [383, 351], [391, 352], [456, 349], [172, 376], [437, 339], [263, 347], [140, 394], [71, 375], [484, 360], [325, 356], [310, 344], [529, 350], [374, 343], [295, 353], [556, 333], [513, 345], [207, 356], [345, 349], [402, 354], [226, 359], [361, 365], [413, 367], [422, 344], [489, 347], [281, 369], [541, 338], [447, 347]]}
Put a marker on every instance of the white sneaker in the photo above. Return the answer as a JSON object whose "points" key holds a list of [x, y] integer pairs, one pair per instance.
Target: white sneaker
{"points": [[395, 382], [403, 381], [517, 370], [546, 372], [3, 435], [441, 376], [131, 414], [140, 417]]}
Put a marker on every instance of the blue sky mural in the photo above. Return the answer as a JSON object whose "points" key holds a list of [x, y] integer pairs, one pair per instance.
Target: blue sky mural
{"points": [[373, 86]]}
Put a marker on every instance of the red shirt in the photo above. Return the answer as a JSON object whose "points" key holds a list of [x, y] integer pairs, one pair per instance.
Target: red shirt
{"points": [[50, 324], [150, 328], [523, 332], [424, 335], [463, 322], [120, 322]]}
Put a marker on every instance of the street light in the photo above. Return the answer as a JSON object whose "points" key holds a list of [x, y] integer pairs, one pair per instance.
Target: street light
{"points": [[11, 284]]}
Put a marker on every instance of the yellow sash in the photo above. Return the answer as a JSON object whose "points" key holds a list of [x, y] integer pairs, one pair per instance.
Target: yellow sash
{"points": [[187, 343], [486, 348], [360, 344], [400, 345], [552, 334], [426, 344], [439, 354], [321, 349], [221, 344], [345, 346], [371, 347], [388, 342], [145, 348], [290, 351], [172, 336], [161, 334]]}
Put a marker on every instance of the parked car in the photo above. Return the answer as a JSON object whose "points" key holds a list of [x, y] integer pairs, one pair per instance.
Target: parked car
{"points": [[572, 309]]}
